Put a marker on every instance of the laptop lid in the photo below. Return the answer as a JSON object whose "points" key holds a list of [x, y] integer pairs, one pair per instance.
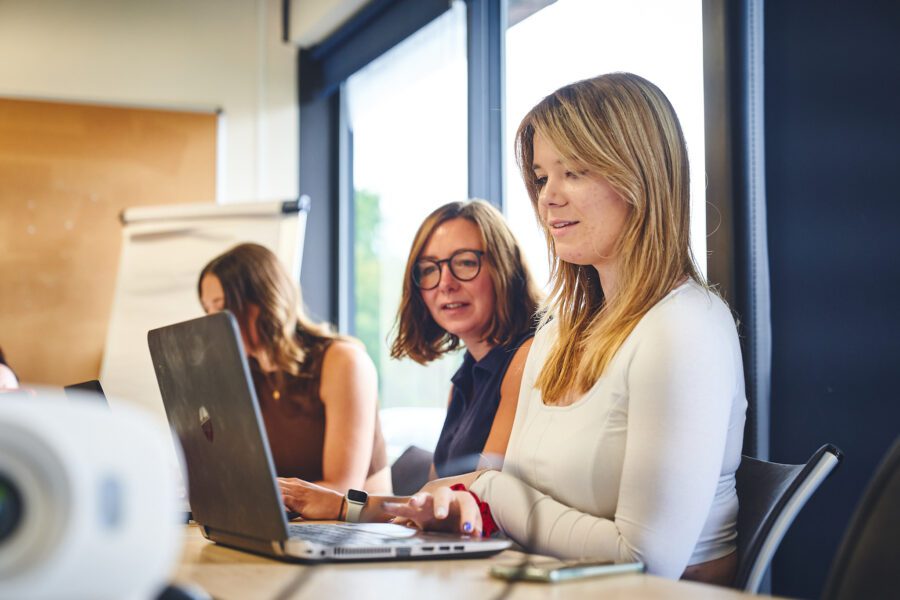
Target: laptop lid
{"points": [[86, 390], [211, 405]]}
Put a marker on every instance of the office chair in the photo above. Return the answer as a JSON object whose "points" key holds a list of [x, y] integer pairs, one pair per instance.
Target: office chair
{"points": [[770, 495], [410, 472], [867, 563]]}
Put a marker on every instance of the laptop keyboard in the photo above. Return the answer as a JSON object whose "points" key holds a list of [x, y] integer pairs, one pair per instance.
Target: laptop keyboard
{"points": [[339, 535]]}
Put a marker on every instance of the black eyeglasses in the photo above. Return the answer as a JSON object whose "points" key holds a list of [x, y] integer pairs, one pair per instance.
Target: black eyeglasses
{"points": [[465, 265]]}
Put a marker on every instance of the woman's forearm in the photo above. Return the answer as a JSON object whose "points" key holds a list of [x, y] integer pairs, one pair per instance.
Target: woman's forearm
{"points": [[467, 479], [338, 485], [373, 511]]}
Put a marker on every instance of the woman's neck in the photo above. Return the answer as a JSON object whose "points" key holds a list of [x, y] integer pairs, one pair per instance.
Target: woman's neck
{"points": [[478, 348], [609, 278]]}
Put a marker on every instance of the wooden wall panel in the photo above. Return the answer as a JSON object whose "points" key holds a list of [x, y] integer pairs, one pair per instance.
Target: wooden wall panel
{"points": [[66, 172]]}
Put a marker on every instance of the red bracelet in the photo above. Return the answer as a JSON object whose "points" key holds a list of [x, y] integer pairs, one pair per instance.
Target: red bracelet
{"points": [[488, 526]]}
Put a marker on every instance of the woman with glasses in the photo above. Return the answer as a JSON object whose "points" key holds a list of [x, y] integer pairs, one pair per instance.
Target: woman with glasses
{"points": [[468, 285], [317, 391]]}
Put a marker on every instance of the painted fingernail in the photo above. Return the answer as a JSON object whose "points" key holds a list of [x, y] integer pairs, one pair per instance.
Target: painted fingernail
{"points": [[467, 527], [440, 512]]}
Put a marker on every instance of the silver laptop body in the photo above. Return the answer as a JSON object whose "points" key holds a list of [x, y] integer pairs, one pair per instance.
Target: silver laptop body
{"points": [[211, 405]]}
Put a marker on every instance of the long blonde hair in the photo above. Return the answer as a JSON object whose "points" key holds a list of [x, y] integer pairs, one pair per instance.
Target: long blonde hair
{"points": [[622, 127], [516, 296], [252, 274]]}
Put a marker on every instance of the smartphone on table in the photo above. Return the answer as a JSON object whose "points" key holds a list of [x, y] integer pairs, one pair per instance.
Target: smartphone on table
{"points": [[551, 571]]}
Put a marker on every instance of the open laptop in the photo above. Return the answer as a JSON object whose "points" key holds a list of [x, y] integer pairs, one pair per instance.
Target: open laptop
{"points": [[211, 405]]}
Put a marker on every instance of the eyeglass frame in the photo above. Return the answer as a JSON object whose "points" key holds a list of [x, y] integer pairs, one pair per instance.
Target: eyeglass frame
{"points": [[449, 262]]}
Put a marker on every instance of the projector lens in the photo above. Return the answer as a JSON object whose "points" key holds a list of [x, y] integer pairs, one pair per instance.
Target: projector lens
{"points": [[10, 508]]}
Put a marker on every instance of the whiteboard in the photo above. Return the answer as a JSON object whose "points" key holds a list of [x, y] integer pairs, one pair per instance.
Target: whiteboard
{"points": [[163, 250]]}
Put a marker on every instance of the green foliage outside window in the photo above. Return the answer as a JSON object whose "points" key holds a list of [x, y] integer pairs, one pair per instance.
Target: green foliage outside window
{"points": [[368, 273]]}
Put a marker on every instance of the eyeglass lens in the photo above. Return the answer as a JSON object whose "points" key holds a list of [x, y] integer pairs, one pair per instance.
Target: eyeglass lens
{"points": [[464, 265]]}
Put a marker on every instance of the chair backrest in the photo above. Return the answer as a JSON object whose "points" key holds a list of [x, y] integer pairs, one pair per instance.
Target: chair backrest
{"points": [[867, 564], [410, 472], [770, 495]]}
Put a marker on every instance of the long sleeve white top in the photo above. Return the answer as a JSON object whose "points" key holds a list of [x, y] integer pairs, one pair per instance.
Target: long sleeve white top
{"points": [[641, 466]]}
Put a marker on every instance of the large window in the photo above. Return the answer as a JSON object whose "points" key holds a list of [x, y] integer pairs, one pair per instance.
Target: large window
{"points": [[569, 40], [403, 135], [407, 117]]}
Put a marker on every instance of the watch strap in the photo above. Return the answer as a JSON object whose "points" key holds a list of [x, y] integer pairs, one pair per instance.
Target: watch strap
{"points": [[356, 500]]}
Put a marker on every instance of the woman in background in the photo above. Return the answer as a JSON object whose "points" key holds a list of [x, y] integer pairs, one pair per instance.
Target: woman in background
{"points": [[467, 284], [317, 391], [8, 379]]}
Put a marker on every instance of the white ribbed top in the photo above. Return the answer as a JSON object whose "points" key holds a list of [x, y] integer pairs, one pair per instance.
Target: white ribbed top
{"points": [[642, 466]]}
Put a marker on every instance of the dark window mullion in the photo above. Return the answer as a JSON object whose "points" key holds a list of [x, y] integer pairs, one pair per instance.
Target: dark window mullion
{"points": [[486, 21], [318, 177]]}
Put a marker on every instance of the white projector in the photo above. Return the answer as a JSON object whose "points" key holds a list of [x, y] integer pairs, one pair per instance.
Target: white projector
{"points": [[88, 500]]}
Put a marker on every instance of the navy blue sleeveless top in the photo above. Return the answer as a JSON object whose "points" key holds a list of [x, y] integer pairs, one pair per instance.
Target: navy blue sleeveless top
{"points": [[476, 396]]}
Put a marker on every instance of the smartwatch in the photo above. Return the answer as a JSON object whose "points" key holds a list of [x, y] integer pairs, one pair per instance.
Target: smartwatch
{"points": [[356, 499]]}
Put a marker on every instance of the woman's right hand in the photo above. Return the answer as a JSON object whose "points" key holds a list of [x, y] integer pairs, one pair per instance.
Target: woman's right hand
{"points": [[441, 510], [311, 501]]}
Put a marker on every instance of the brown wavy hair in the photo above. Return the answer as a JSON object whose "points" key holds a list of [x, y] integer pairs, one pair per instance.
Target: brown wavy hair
{"points": [[622, 127], [252, 274], [2, 358], [517, 298]]}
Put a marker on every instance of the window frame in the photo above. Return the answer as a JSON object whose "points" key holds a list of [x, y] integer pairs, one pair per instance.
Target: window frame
{"points": [[326, 172], [733, 122]]}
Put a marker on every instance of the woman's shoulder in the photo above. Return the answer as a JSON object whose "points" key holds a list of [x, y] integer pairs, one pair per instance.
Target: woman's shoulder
{"points": [[691, 300], [345, 351], [523, 337], [516, 360], [345, 364], [547, 327], [540, 345], [517, 349], [689, 313], [547, 331]]}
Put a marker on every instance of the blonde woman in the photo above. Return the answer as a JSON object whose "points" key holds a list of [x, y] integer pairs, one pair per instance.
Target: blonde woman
{"points": [[630, 419], [317, 391]]}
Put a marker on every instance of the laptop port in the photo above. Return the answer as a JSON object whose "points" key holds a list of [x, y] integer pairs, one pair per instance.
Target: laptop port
{"points": [[444, 548], [459, 548], [403, 551], [427, 548]]}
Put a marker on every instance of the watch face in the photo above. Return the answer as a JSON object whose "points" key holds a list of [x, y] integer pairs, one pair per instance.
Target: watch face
{"points": [[357, 496]]}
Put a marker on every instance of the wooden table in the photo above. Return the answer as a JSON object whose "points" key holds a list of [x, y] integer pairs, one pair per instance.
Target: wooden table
{"points": [[228, 574]]}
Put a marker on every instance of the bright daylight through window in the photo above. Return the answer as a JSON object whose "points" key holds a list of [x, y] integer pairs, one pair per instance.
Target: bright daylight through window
{"points": [[407, 114], [408, 117], [569, 40]]}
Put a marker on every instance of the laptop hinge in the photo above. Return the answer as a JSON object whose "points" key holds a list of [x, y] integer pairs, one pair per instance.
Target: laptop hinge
{"points": [[267, 547]]}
